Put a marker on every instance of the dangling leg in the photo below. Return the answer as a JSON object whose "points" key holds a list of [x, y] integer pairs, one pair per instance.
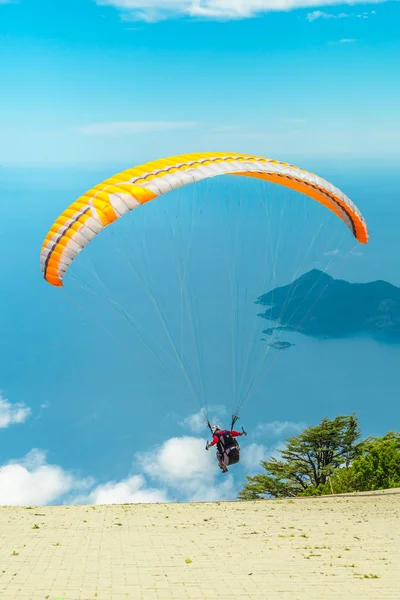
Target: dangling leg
{"points": [[221, 462], [219, 459], [225, 462]]}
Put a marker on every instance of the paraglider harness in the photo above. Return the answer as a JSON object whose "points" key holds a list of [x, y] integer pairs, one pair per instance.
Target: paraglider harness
{"points": [[227, 444]]}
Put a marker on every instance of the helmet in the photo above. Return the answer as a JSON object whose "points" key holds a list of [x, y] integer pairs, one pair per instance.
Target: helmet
{"points": [[215, 428]]}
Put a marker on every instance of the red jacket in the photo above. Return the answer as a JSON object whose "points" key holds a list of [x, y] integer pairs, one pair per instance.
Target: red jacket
{"points": [[215, 439]]}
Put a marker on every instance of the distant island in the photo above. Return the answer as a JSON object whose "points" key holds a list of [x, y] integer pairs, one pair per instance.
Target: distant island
{"points": [[320, 306], [281, 345]]}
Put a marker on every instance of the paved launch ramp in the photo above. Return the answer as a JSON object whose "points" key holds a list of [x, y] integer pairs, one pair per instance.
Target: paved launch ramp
{"points": [[331, 547]]}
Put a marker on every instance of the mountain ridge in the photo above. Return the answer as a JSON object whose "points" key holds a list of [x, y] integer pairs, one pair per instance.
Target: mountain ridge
{"points": [[320, 306]]}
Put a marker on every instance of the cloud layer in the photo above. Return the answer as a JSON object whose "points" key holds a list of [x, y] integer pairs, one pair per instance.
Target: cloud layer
{"points": [[152, 10], [32, 481], [179, 469]]}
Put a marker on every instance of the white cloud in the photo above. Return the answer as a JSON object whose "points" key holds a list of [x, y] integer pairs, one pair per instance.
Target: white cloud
{"points": [[347, 41], [253, 454], [152, 10], [32, 481], [118, 128], [177, 460], [278, 428], [187, 469], [131, 490], [12, 413], [180, 469], [319, 14], [196, 423]]}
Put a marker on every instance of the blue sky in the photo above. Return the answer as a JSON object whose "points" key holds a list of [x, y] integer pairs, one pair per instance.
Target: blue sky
{"points": [[90, 87], [89, 82]]}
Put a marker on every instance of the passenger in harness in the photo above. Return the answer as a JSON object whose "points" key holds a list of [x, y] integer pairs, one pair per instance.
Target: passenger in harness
{"points": [[228, 450]]}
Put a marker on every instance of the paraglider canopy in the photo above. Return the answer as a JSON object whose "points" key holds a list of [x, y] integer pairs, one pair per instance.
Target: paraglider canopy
{"points": [[110, 200]]}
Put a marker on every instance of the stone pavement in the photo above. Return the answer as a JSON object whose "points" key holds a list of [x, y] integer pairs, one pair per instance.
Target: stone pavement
{"points": [[333, 547]]}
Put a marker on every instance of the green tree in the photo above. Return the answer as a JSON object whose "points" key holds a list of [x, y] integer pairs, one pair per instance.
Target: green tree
{"points": [[378, 467], [308, 460], [342, 481]]}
